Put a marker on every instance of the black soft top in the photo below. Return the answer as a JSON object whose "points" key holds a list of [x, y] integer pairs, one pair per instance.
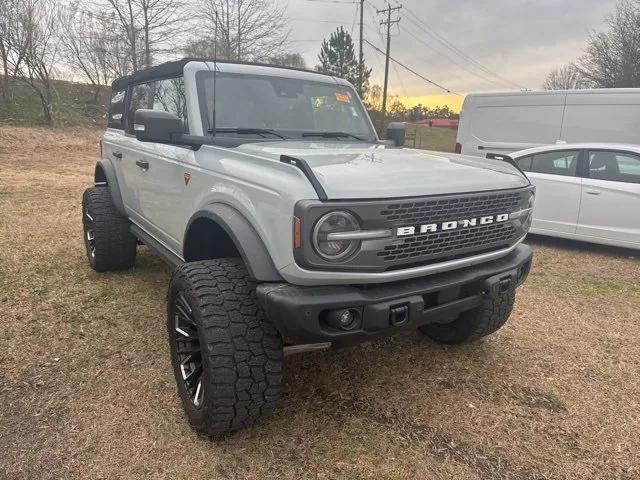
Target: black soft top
{"points": [[172, 69]]}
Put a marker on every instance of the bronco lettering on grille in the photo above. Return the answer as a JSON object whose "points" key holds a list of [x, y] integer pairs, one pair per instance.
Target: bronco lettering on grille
{"points": [[451, 225]]}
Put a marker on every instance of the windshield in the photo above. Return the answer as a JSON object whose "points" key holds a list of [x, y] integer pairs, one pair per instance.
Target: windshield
{"points": [[291, 108]]}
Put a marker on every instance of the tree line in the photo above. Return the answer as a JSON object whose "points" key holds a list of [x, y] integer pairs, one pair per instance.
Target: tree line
{"points": [[611, 57], [96, 41]]}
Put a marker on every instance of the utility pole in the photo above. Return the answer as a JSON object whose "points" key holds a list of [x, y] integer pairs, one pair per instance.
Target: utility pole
{"points": [[361, 55], [388, 22]]}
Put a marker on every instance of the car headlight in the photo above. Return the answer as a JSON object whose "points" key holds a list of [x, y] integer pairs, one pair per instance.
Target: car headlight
{"points": [[331, 236]]}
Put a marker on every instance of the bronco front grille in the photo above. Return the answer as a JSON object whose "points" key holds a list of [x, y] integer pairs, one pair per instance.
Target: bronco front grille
{"points": [[450, 242], [437, 210], [434, 229]]}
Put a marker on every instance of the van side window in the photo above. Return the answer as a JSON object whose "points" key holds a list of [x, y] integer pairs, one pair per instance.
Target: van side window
{"points": [[525, 163], [116, 110], [614, 166], [167, 95], [556, 163]]}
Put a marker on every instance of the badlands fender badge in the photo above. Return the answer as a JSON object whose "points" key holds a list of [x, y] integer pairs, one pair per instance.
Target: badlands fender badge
{"points": [[452, 225], [187, 177]]}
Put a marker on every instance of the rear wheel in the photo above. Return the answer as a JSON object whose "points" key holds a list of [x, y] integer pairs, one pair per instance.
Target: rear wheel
{"points": [[470, 326], [107, 239], [227, 357]]}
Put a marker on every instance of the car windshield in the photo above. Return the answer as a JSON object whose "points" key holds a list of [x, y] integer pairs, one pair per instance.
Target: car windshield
{"points": [[276, 107]]}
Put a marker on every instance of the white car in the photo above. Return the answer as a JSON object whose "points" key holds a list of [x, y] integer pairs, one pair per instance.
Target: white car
{"points": [[586, 191]]}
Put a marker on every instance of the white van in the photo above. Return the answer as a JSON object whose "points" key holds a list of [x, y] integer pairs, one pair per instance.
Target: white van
{"points": [[506, 122]]}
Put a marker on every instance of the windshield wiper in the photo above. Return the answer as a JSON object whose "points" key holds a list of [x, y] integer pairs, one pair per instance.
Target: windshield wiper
{"points": [[333, 135], [248, 131]]}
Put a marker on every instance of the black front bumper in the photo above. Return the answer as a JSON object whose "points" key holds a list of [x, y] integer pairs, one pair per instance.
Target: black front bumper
{"points": [[300, 313]]}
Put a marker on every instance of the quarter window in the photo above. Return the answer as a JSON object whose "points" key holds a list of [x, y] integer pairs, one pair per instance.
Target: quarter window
{"points": [[614, 166], [167, 95], [556, 163], [116, 110]]}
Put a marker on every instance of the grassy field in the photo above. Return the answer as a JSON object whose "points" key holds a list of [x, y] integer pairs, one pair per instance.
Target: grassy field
{"points": [[72, 104], [87, 391], [431, 138]]}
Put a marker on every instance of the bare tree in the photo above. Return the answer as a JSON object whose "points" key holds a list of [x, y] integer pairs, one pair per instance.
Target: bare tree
{"points": [[13, 40], [250, 30], [612, 57], [288, 60], [86, 46], [147, 26], [566, 77], [37, 25]]}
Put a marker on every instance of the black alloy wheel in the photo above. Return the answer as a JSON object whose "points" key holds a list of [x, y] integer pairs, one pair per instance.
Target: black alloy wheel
{"points": [[188, 348]]}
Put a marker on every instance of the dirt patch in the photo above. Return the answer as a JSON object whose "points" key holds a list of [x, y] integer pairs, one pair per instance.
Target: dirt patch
{"points": [[87, 390]]}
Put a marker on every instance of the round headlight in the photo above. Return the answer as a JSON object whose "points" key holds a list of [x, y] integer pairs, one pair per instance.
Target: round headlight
{"points": [[335, 249]]}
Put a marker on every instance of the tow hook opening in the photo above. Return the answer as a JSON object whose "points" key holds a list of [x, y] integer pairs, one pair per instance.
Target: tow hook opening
{"points": [[399, 315], [500, 283], [505, 283]]}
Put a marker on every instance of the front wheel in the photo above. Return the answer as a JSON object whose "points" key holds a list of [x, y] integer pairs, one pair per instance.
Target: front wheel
{"points": [[227, 357], [474, 324]]}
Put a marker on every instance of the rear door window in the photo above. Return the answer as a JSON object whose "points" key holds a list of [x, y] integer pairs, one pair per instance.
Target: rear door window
{"points": [[564, 163], [614, 166]]}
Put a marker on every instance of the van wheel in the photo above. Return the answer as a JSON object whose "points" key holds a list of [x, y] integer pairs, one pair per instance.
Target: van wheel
{"points": [[107, 239], [474, 324], [227, 356]]}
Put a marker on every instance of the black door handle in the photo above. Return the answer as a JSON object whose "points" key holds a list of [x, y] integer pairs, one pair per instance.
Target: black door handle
{"points": [[117, 154], [142, 164]]}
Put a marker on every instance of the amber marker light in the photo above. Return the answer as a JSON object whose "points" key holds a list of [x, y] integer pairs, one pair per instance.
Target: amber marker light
{"points": [[297, 233]]}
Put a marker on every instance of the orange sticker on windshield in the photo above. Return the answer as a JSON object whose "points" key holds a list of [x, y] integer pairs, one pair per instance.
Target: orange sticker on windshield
{"points": [[342, 97]]}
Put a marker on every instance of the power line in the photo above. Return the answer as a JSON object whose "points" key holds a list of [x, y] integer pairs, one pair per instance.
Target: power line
{"points": [[431, 32], [411, 70], [452, 60], [337, 22]]}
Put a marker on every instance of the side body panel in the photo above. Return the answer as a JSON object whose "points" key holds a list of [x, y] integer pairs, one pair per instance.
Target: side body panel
{"points": [[605, 115], [503, 123], [557, 202], [610, 210]]}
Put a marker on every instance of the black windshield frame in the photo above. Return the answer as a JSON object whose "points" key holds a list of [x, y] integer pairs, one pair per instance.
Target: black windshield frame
{"points": [[205, 115]]}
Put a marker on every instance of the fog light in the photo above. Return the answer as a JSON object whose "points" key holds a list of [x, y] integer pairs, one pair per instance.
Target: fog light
{"points": [[343, 319]]}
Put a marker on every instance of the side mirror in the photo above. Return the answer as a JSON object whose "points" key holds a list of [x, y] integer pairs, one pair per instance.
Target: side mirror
{"points": [[396, 132], [157, 126]]}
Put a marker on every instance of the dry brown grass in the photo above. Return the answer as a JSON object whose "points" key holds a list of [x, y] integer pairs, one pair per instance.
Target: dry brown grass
{"points": [[86, 389]]}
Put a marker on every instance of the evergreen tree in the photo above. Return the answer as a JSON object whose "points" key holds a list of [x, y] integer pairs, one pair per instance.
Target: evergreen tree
{"points": [[338, 58]]}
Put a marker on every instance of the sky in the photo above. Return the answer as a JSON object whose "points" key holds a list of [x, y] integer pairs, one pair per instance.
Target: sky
{"points": [[462, 45]]}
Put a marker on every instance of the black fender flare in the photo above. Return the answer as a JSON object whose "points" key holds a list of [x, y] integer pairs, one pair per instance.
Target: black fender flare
{"points": [[251, 247], [106, 174]]}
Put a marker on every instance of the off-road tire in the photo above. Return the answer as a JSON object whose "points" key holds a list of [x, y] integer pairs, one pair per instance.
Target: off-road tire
{"points": [[112, 247], [240, 349], [474, 324]]}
